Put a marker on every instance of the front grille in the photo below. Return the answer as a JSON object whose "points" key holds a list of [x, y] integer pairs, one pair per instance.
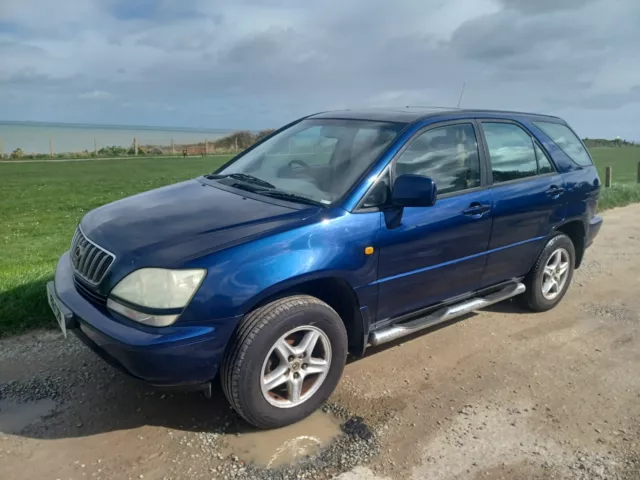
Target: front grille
{"points": [[90, 262], [89, 294]]}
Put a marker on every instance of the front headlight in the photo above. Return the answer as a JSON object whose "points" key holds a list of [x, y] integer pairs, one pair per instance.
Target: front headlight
{"points": [[155, 290]]}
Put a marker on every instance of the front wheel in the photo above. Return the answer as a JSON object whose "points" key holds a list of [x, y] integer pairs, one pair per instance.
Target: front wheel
{"points": [[549, 279], [284, 361]]}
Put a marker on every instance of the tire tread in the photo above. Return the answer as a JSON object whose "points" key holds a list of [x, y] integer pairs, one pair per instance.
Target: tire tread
{"points": [[530, 298], [243, 338]]}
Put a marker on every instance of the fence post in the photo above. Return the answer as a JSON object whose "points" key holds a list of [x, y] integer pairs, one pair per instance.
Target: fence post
{"points": [[135, 146], [607, 177], [51, 147]]}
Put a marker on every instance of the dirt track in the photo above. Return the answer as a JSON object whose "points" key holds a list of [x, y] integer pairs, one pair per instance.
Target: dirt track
{"points": [[503, 394]]}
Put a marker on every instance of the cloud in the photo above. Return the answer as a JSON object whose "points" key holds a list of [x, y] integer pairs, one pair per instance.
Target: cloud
{"points": [[255, 64], [95, 95]]}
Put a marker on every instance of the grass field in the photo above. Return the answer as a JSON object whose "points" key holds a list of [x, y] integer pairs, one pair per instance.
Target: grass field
{"points": [[624, 165], [41, 204], [623, 161]]}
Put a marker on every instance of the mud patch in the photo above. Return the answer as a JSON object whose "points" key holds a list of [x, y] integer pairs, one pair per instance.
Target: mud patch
{"points": [[330, 442], [285, 446], [618, 313], [15, 416]]}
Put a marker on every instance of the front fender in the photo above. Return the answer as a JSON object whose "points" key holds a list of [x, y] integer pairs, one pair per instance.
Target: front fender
{"points": [[243, 276]]}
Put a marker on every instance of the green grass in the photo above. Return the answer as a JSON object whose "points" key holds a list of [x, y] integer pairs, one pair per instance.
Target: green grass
{"points": [[624, 166], [623, 162], [619, 195], [40, 206]]}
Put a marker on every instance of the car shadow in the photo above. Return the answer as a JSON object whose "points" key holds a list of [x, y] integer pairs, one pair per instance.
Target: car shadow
{"points": [[81, 408], [509, 306]]}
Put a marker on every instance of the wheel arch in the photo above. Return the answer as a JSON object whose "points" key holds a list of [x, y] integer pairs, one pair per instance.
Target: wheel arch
{"points": [[576, 231], [336, 292]]}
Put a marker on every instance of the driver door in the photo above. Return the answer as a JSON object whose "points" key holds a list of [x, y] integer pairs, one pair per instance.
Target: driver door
{"points": [[436, 252]]}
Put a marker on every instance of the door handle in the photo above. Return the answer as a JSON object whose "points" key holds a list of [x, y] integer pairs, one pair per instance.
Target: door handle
{"points": [[476, 210], [555, 191]]}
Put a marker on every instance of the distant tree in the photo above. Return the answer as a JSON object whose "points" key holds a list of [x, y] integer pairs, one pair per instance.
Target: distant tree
{"points": [[17, 153], [114, 151], [263, 133], [603, 142], [237, 140]]}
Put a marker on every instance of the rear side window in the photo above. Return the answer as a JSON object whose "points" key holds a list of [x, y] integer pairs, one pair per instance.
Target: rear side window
{"points": [[511, 151], [448, 155], [564, 138]]}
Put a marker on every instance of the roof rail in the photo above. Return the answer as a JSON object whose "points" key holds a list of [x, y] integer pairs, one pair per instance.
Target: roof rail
{"points": [[515, 112]]}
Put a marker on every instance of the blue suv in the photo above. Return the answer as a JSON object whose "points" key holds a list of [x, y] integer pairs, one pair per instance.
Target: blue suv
{"points": [[341, 230]]}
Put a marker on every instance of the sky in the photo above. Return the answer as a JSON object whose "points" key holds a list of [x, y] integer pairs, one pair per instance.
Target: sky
{"points": [[259, 64]]}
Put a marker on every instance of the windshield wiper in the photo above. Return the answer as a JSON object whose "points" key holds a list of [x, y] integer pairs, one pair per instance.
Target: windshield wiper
{"points": [[267, 189], [290, 196], [244, 177]]}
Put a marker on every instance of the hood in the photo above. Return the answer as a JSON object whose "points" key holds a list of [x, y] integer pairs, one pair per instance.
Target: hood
{"points": [[165, 225]]}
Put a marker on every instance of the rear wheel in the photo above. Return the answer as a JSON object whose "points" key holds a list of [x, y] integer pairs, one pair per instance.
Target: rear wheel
{"points": [[284, 361], [549, 279]]}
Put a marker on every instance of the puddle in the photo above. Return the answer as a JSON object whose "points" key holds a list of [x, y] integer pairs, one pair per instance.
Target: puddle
{"points": [[14, 416], [285, 446]]}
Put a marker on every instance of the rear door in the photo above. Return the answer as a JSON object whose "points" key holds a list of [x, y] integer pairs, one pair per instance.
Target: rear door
{"points": [[435, 253], [527, 196]]}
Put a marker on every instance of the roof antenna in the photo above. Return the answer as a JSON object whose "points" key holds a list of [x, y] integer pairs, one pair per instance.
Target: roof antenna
{"points": [[461, 93]]}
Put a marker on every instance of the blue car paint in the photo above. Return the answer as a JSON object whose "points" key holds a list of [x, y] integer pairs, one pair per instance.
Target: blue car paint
{"points": [[429, 237], [176, 355], [522, 212], [254, 248]]}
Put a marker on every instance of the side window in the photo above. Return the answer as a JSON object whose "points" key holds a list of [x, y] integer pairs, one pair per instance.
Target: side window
{"points": [[448, 155], [567, 141], [511, 152], [544, 164]]}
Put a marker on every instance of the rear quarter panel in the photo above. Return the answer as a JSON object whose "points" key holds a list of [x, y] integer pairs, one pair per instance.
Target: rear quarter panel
{"points": [[582, 183]]}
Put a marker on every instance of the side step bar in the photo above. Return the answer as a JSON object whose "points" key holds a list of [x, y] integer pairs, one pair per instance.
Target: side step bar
{"points": [[444, 314]]}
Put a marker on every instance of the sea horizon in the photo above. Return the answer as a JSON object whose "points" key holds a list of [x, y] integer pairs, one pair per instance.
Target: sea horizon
{"points": [[41, 137], [117, 126]]}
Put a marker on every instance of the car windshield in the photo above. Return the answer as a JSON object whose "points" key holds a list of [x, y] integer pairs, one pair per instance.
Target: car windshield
{"points": [[317, 159]]}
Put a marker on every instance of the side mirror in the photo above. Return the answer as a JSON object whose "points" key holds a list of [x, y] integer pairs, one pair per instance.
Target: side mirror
{"points": [[413, 191]]}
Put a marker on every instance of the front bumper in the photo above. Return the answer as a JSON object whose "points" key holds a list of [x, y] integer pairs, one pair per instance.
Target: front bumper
{"points": [[170, 356]]}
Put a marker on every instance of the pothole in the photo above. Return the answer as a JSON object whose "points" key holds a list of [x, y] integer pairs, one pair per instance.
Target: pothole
{"points": [[15, 416], [609, 312], [284, 446], [329, 442]]}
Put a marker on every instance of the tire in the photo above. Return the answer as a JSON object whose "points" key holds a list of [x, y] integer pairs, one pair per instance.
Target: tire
{"points": [[535, 297], [255, 352]]}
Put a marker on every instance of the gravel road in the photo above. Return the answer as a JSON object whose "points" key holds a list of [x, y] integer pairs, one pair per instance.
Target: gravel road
{"points": [[502, 394]]}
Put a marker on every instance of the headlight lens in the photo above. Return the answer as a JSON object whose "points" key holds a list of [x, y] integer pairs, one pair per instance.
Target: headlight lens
{"points": [[155, 289], [159, 288]]}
